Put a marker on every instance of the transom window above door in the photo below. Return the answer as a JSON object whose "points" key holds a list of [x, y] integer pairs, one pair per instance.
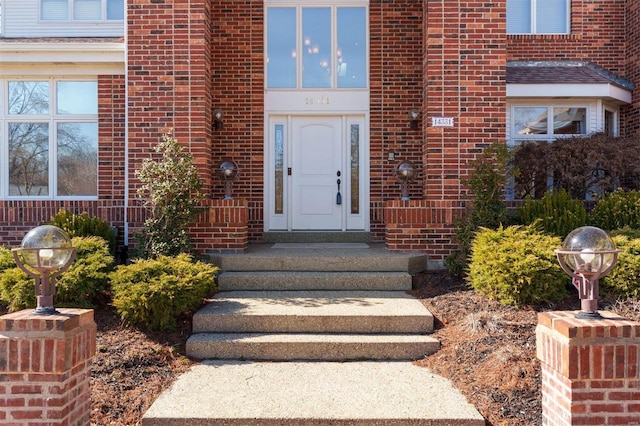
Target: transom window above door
{"points": [[316, 47]]}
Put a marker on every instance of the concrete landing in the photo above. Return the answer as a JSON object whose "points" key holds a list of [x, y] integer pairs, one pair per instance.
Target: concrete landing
{"points": [[311, 393]]}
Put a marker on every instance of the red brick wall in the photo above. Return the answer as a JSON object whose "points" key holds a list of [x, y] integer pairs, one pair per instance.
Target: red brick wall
{"points": [[169, 83], [632, 67], [597, 35]]}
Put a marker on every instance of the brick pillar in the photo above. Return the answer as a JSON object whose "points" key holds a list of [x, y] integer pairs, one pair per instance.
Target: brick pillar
{"points": [[590, 369], [226, 227], [45, 367]]}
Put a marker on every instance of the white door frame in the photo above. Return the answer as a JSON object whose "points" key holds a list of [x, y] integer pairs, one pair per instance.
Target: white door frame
{"points": [[353, 115]]}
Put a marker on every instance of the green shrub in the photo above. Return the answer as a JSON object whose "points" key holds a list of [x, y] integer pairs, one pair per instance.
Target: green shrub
{"points": [[153, 293], [82, 285], [626, 231], [171, 188], [83, 225], [617, 210], [86, 282], [6, 259], [488, 209], [624, 279], [516, 266], [556, 212]]}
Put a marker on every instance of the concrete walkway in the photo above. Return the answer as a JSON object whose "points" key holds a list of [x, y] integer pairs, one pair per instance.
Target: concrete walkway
{"points": [[311, 393]]}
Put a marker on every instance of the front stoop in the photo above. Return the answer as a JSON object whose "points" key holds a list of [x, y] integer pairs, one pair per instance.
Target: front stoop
{"points": [[334, 323]]}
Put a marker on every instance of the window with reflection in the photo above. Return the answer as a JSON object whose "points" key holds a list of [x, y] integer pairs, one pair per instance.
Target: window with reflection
{"points": [[541, 124], [316, 47], [279, 169], [52, 139], [355, 168]]}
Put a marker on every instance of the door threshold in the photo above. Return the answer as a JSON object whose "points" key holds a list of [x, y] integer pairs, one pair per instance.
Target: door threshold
{"points": [[317, 237]]}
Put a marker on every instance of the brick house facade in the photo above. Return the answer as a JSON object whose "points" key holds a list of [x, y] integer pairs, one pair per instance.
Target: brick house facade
{"points": [[176, 61]]}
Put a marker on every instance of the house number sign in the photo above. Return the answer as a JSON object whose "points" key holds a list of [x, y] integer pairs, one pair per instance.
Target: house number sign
{"points": [[441, 121]]}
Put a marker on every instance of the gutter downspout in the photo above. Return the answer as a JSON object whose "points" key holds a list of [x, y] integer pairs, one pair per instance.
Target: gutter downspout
{"points": [[126, 129]]}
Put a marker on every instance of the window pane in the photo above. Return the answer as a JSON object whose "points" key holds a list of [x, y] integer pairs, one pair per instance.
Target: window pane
{"points": [[316, 47], [355, 169], [87, 10], [530, 120], [281, 47], [115, 10], [54, 10], [28, 159], [351, 55], [518, 16], [279, 166], [569, 121], [28, 97], [551, 17], [77, 159], [77, 97]]}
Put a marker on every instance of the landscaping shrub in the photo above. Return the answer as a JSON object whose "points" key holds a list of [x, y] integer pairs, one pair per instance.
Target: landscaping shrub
{"points": [[516, 265], [6, 259], [624, 279], [617, 209], [83, 225], [488, 209], [82, 285], [556, 212], [171, 188], [153, 293]]}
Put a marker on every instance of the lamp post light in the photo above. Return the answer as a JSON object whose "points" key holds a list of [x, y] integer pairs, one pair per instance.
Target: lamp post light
{"points": [[45, 253], [406, 171], [587, 254], [228, 172]]}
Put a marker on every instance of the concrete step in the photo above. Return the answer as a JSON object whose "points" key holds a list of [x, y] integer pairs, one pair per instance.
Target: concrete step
{"points": [[313, 312], [302, 280], [311, 393], [375, 258], [310, 347]]}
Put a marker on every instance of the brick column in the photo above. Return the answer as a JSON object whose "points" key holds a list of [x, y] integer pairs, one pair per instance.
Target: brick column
{"points": [[225, 228], [45, 366], [590, 369]]}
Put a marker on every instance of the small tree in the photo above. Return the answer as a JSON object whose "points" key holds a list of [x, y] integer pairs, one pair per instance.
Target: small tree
{"points": [[488, 209], [171, 187]]}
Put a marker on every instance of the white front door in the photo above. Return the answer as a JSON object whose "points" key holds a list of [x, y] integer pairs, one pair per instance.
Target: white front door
{"points": [[317, 166]]}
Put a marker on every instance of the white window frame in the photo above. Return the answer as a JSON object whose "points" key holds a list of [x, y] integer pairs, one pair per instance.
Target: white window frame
{"points": [[71, 18], [534, 26], [52, 119], [333, 5], [513, 140]]}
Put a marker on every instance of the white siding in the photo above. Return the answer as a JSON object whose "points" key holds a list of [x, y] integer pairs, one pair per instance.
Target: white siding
{"points": [[21, 20]]}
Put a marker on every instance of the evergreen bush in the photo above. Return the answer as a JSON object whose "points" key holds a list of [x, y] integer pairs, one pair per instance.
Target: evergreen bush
{"points": [[617, 209], [171, 188], [6, 259], [83, 285], [624, 279], [153, 293], [556, 212], [83, 225], [516, 265]]}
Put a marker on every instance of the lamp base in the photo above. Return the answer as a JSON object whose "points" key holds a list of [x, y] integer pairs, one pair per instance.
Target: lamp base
{"points": [[45, 311], [589, 315]]}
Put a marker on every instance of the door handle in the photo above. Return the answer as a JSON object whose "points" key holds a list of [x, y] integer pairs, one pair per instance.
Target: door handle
{"points": [[338, 195]]}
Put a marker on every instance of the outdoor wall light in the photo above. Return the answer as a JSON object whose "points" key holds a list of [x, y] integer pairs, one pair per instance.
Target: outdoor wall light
{"points": [[587, 254], [228, 171], [217, 119], [406, 171], [45, 253], [414, 114]]}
